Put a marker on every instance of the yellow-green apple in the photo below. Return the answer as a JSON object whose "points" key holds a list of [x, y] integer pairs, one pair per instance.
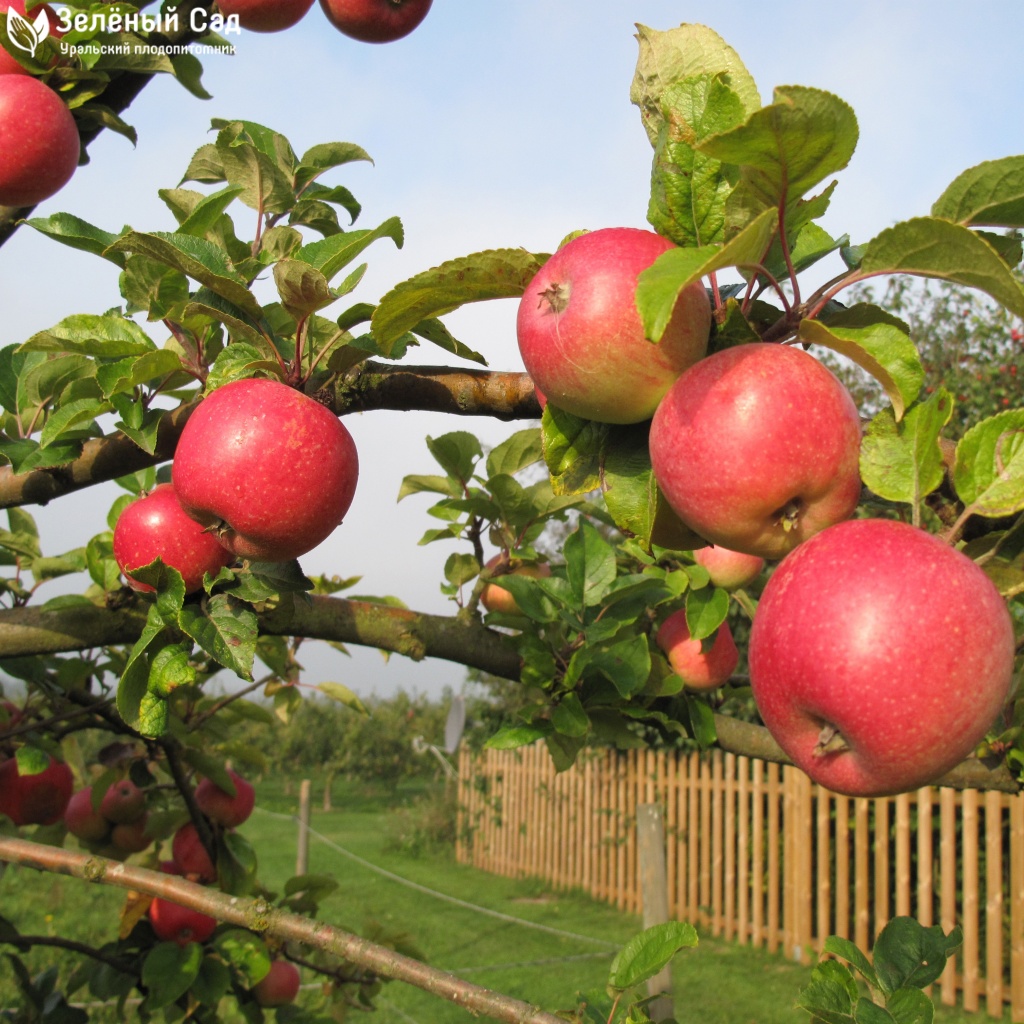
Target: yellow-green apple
{"points": [[757, 448], [38, 799], [279, 986], [375, 21], [39, 144], [879, 657], [581, 337], [123, 802], [8, 65], [227, 809], [131, 837], [190, 855], [156, 526], [495, 598], [698, 668], [272, 471], [83, 820], [174, 923], [728, 569], [266, 15]]}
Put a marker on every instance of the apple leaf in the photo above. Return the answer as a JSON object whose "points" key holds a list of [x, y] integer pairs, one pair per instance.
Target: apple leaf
{"points": [[876, 341], [515, 453], [808, 245], [931, 247], [646, 954], [630, 490], [901, 460], [831, 994], [493, 274], [259, 161], [659, 285], [788, 147], [244, 951], [127, 374], [989, 470], [706, 609], [329, 255], [207, 211], [433, 330], [589, 564], [511, 737], [569, 718], [343, 695], [210, 310], [457, 453], [226, 631], [324, 156], [907, 954], [303, 289], [626, 664], [572, 450], [76, 233], [108, 336], [677, 54], [991, 193], [31, 760], [169, 971]]}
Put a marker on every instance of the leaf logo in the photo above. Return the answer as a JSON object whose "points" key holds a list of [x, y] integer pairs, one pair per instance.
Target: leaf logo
{"points": [[25, 34]]}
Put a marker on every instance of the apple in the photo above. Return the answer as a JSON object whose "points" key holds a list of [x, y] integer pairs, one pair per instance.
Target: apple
{"points": [[279, 986], [131, 837], [156, 526], [271, 469], [495, 598], [728, 569], [879, 657], [190, 855], [698, 668], [83, 821], [581, 337], [39, 144], [375, 21], [182, 925], [266, 15], [39, 799], [8, 64], [220, 806], [757, 447], [123, 802]]}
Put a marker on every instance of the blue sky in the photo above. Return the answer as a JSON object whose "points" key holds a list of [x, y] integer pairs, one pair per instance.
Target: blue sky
{"points": [[509, 124]]}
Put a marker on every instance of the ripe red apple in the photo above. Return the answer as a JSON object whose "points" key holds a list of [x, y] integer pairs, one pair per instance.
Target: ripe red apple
{"points": [[156, 526], [580, 333], [728, 569], [757, 448], [190, 855], [39, 799], [266, 15], [495, 598], [698, 669], [375, 21], [123, 802], [879, 657], [174, 923], [220, 806], [279, 986], [272, 469], [39, 144], [130, 837], [83, 821]]}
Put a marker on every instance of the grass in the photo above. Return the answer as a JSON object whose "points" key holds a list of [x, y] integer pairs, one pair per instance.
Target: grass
{"points": [[716, 983]]}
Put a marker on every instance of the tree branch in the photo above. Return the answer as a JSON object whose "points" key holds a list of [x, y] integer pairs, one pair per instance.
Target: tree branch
{"points": [[504, 395], [259, 916], [25, 942]]}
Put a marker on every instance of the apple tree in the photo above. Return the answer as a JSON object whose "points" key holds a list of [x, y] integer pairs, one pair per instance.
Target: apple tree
{"points": [[884, 521]]}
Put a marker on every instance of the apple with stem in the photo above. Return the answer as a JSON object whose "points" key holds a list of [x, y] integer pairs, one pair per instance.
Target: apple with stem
{"points": [[172, 922], [580, 333], [757, 448], [123, 802], [728, 569], [266, 15], [701, 664], [279, 986], [39, 143], [495, 598], [38, 799], [879, 657], [375, 21], [271, 471], [227, 809]]}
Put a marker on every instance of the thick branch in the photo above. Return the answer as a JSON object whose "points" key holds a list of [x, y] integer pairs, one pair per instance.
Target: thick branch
{"points": [[259, 916], [374, 386]]}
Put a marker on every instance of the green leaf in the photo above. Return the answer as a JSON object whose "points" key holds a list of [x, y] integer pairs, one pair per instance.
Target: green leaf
{"points": [[626, 664], [110, 337], [492, 274], [569, 718], [831, 993], [343, 695], [848, 950], [78, 234], [329, 255], [324, 156], [208, 211], [460, 568], [227, 631], [589, 564], [630, 490], [989, 471], [434, 331], [303, 289], [701, 722], [169, 971], [212, 982], [991, 193], [706, 609], [127, 374], [259, 162], [151, 287], [244, 951], [457, 453], [31, 760], [906, 954], [903, 461], [70, 417], [514, 736], [869, 1012], [910, 1006], [573, 449], [646, 954], [235, 361], [930, 247]]}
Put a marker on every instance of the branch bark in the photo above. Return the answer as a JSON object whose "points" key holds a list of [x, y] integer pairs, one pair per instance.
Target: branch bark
{"points": [[259, 916]]}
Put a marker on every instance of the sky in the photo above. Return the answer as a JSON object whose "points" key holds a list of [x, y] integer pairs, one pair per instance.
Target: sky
{"points": [[509, 124]]}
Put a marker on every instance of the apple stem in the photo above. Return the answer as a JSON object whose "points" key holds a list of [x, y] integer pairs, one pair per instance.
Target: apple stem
{"points": [[556, 296], [830, 741]]}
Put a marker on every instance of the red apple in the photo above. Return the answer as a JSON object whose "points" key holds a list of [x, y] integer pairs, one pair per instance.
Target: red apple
{"points": [[39, 144], [8, 65], [174, 923], [728, 569], [495, 598], [190, 855], [131, 836], [375, 21], [156, 526], [266, 15], [220, 806], [580, 333], [757, 448], [279, 986], [270, 468], [123, 802], [879, 657], [83, 821], [698, 668], [39, 799]]}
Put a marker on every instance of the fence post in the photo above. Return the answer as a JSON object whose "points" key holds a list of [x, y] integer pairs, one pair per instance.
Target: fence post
{"points": [[302, 857], [650, 837]]}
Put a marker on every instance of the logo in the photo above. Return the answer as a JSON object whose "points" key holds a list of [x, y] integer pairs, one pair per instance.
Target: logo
{"points": [[25, 34]]}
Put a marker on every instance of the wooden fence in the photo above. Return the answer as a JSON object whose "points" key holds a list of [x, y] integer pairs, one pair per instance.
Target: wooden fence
{"points": [[759, 854]]}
